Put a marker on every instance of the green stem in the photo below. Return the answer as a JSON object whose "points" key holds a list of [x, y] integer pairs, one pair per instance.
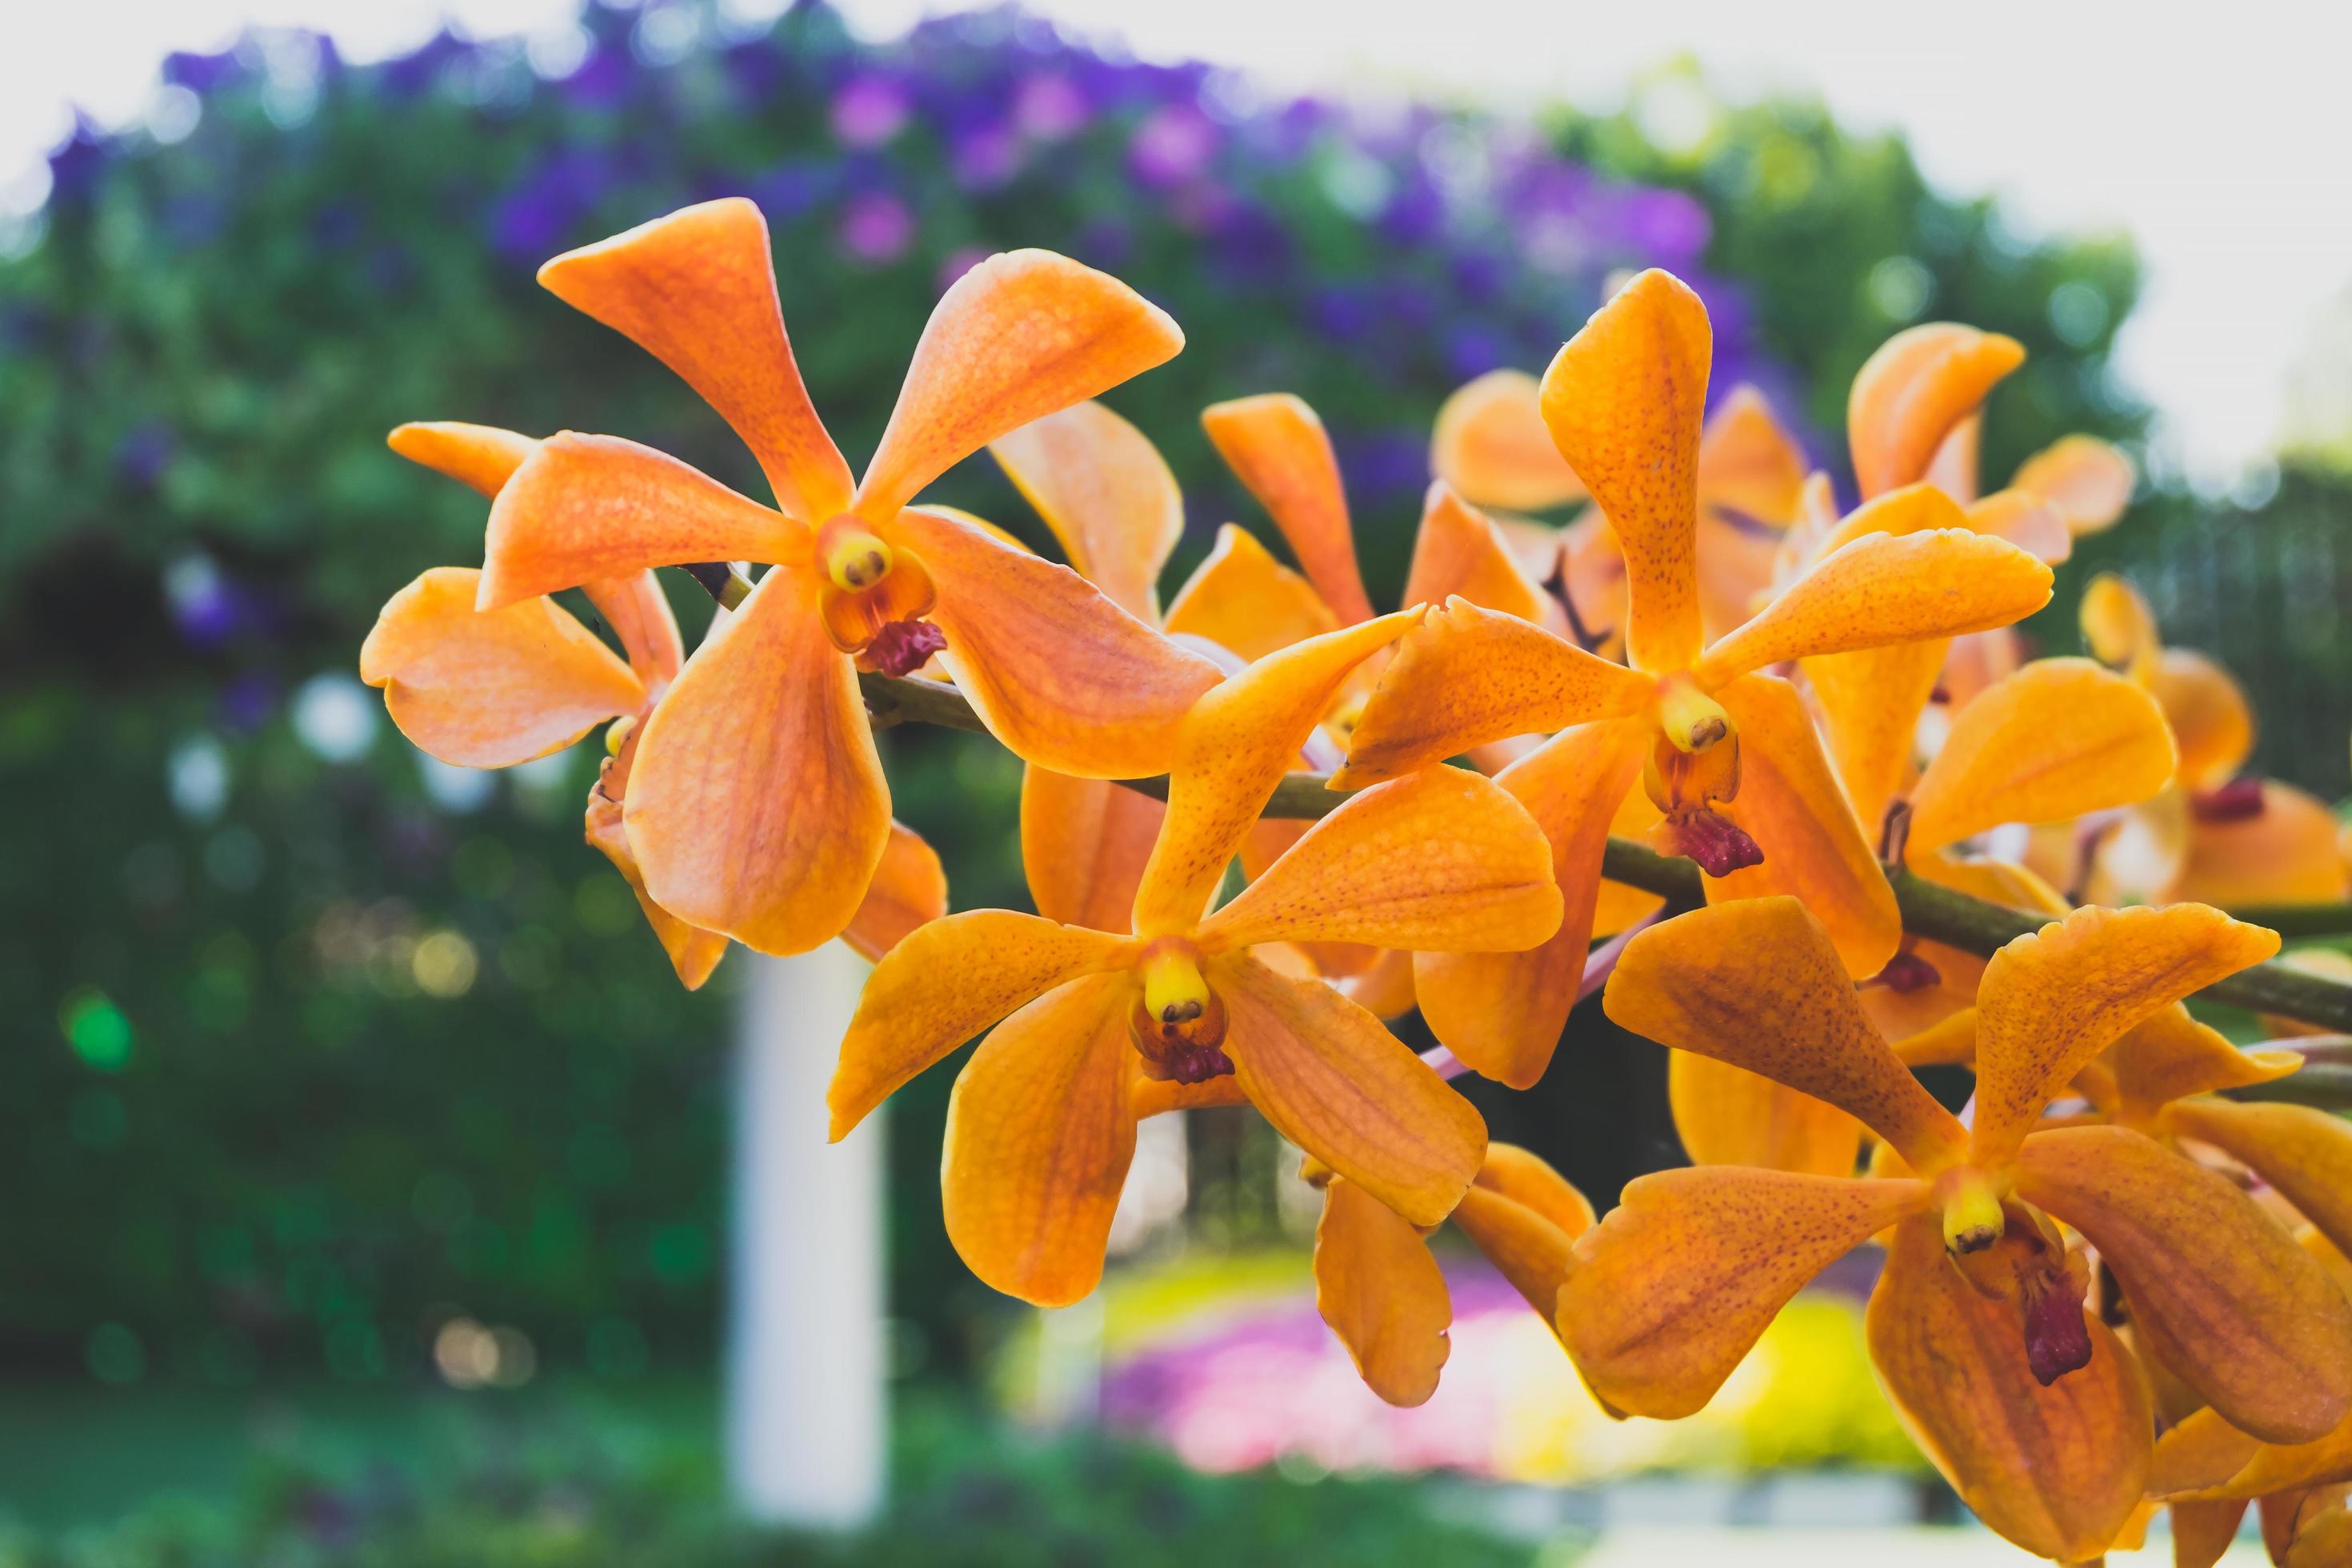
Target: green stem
{"points": [[2299, 920], [1930, 910]]}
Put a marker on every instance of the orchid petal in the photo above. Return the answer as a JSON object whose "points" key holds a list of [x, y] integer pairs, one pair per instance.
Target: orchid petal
{"points": [[1624, 400], [1884, 589], [1061, 675], [2056, 1468], [1675, 1285], [1382, 1293], [585, 507], [1469, 676], [1491, 445], [1908, 396], [1444, 860], [2051, 1001], [1501, 1013], [1334, 1081], [1276, 447], [480, 455], [489, 689], [1759, 984], [910, 889], [697, 289], [946, 982], [1236, 744], [2221, 1292], [1039, 1138], [2057, 740], [1106, 493], [1247, 601], [1790, 804], [2087, 481], [1023, 334]]}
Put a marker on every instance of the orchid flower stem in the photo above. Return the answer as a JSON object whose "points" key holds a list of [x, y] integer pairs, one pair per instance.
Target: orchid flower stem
{"points": [[1930, 910]]}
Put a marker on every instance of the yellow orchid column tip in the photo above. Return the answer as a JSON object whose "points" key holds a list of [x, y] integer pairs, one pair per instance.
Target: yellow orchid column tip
{"points": [[1695, 763], [1178, 1023], [875, 598]]}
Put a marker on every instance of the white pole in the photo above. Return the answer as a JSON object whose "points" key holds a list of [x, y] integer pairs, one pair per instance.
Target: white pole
{"points": [[806, 1411]]}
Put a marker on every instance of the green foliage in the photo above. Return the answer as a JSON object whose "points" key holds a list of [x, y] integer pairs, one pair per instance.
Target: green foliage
{"points": [[568, 1484]]}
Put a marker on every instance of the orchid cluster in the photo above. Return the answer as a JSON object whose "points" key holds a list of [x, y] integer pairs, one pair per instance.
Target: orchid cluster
{"points": [[2107, 1284]]}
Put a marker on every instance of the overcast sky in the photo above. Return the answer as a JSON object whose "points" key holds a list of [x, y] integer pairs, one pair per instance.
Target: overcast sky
{"points": [[2217, 138]]}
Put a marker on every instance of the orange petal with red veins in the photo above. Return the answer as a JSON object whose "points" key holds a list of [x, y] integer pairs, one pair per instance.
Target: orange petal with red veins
{"points": [[481, 456], [1084, 844], [1459, 551], [489, 689], [638, 612], [2057, 740], [2209, 714], [1747, 462], [1276, 445], [1334, 1081], [1107, 495], [1491, 445], [944, 983], [1445, 860], [1758, 985], [2222, 1294], [1247, 601], [1469, 676], [756, 804], [1790, 803], [910, 889], [2059, 1469], [2306, 1154], [1624, 400], [2051, 1001], [1382, 1293], [1062, 676], [2171, 1056], [585, 507], [1237, 744], [2087, 481], [1908, 396], [1023, 334], [2284, 854], [693, 952], [1502, 1012], [697, 289], [1039, 1138], [1671, 1287], [1871, 701], [1886, 589], [1727, 1115]]}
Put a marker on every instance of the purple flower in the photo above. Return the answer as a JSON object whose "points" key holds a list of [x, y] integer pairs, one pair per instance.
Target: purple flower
{"points": [[985, 157], [1047, 106], [143, 455], [601, 81], [877, 227], [869, 110], [1171, 146], [201, 73]]}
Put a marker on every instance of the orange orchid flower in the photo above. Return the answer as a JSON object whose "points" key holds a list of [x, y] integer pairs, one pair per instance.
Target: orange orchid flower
{"points": [[2029, 1405], [1727, 755], [1491, 445], [1381, 1292], [757, 806], [1113, 504], [1098, 1028], [2219, 835], [492, 689]]}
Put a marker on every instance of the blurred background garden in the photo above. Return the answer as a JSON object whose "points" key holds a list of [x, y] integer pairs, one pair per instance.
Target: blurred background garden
{"points": [[366, 1179]]}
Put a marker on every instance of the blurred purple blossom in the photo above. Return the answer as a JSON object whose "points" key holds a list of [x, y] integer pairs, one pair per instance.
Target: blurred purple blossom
{"points": [[877, 227], [1172, 145], [1047, 106], [869, 110]]}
